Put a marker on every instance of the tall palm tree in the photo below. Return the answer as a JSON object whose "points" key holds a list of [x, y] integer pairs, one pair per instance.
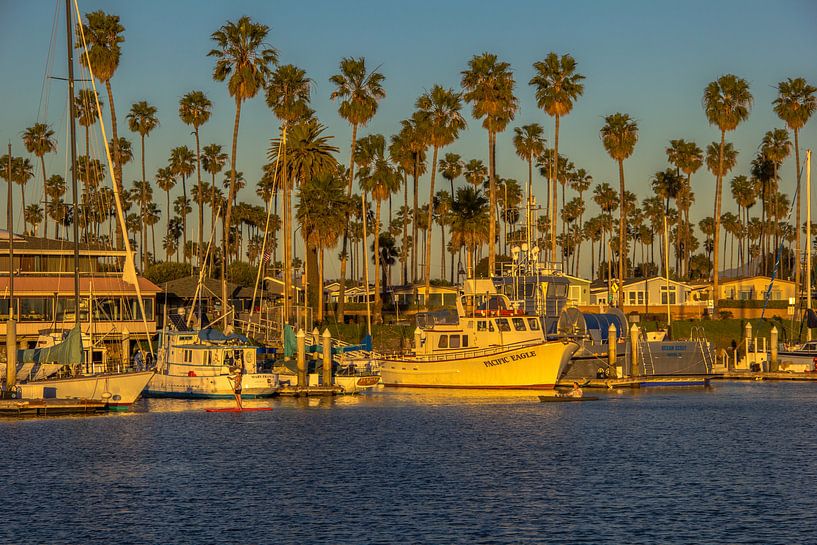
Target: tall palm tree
{"points": [[166, 180], [580, 182], [469, 222], [54, 189], [442, 211], [529, 142], [103, 33], [558, 85], [195, 110], [378, 178], [142, 119], [619, 135], [152, 217], [359, 91], [309, 155], [33, 215], [182, 163], [451, 167], [666, 185], [744, 192], [288, 96], [727, 102], [401, 155], [687, 157], [39, 140], [489, 85], [440, 110], [243, 60], [774, 149], [22, 171], [795, 104], [213, 160]]}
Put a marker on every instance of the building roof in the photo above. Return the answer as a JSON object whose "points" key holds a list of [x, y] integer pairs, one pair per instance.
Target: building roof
{"points": [[64, 285], [25, 244], [185, 288], [601, 285], [762, 278]]}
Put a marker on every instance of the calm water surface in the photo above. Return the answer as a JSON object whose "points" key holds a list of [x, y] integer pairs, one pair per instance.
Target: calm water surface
{"points": [[731, 464]]}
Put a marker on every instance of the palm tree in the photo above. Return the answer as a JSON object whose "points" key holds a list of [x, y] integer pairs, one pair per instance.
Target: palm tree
{"points": [[182, 163], [727, 102], [529, 142], [795, 104], [142, 119], [558, 85], [309, 155], [142, 193], [687, 158], [152, 217], [213, 160], [166, 180], [619, 135], [774, 148], [195, 109], [607, 199], [359, 91], [488, 85], [451, 167], [39, 140], [103, 33], [377, 177], [401, 155], [22, 172], [580, 182], [666, 185], [469, 222], [244, 62], [475, 173], [440, 111], [744, 192], [33, 215], [442, 211], [288, 96]]}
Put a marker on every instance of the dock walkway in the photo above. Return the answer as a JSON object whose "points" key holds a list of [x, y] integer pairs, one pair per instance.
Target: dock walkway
{"points": [[49, 407]]}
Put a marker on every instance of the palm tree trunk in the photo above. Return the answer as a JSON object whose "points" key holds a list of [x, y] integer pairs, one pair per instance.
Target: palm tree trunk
{"points": [[228, 216], [797, 256], [622, 218], [492, 206], [414, 216], [717, 219], [200, 199], [555, 178], [404, 249], [430, 225], [117, 165], [343, 256], [378, 301], [142, 207]]}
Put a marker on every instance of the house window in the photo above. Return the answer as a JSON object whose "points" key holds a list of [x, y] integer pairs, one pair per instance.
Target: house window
{"points": [[671, 290], [745, 294], [631, 297], [575, 294], [35, 309]]}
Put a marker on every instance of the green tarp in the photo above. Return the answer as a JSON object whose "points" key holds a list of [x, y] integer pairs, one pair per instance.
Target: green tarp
{"points": [[69, 351]]}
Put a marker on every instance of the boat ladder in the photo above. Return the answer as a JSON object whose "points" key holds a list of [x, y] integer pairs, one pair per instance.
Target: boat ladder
{"points": [[645, 355], [698, 336]]}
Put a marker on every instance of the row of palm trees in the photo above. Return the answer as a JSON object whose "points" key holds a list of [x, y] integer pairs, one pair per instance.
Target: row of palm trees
{"points": [[302, 158]]}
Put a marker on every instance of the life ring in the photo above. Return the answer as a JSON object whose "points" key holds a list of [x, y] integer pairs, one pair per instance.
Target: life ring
{"points": [[191, 373]]}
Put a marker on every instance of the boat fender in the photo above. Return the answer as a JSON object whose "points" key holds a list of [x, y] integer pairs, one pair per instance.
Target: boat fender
{"points": [[814, 361], [191, 373]]}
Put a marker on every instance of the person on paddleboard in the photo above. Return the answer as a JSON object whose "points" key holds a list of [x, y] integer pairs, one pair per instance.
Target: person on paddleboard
{"points": [[236, 378]]}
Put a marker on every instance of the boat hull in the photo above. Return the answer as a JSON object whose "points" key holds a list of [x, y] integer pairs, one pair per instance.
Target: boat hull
{"points": [[253, 385], [529, 367], [116, 390]]}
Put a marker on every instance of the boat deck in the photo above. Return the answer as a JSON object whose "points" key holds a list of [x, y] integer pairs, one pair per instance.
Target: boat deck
{"points": [[737, 375], [50, 407]]}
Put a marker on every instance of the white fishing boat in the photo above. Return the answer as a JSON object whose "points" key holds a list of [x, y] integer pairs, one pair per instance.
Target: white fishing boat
{"points": [[200, 364], [798, 359], [485, 344]]}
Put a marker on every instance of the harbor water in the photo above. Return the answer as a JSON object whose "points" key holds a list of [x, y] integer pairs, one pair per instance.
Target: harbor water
{"points": [[733, 463]]}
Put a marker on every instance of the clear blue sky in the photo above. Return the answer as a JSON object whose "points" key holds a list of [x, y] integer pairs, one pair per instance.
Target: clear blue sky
{"points": [[649, 59]]}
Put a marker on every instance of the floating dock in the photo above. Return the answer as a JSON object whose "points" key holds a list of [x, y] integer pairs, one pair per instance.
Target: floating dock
{"points": [[669, 381], [794, 377], [310, 391], [50, 407]]}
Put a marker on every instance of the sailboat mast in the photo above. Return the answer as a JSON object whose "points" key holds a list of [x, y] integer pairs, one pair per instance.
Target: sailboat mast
{"points": [[73, 148]]}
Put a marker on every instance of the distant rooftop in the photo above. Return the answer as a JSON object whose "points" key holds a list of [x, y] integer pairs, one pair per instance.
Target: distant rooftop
{"points": [[25, 244]]}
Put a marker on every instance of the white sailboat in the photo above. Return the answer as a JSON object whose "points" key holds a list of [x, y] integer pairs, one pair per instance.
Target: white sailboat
{"points": [[75, 378]]}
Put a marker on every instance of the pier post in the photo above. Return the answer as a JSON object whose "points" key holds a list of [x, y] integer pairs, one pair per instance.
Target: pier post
{"points": [[612, 348], [773, 349], [634, 350], [300, 336], [747, 336], [11, 351], [327, 358]]}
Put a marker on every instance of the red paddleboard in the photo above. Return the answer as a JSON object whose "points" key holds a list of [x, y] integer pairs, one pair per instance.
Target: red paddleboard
{"points": [[237, 410]]}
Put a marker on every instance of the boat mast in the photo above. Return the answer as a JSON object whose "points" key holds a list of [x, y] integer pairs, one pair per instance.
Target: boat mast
{"points": [[73, 147], [808, 238], [11, 326]]}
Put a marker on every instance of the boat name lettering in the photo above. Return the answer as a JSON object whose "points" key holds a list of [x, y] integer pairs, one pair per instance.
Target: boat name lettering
{"points": [[513, 357]]}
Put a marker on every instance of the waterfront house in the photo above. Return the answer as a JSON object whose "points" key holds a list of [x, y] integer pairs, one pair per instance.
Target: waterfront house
{"points": [[650, 296], [109, 312], [754, 288]]}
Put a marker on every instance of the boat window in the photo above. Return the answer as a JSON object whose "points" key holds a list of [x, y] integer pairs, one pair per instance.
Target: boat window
{"points": [[465, 341], [533, 324], [455, 341], [502, 324], [519, 324], [443, 343], [188, 356], [482, 325]]}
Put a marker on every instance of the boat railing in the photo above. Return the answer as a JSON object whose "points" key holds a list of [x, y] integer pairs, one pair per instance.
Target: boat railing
{"points": [[461, 354]]}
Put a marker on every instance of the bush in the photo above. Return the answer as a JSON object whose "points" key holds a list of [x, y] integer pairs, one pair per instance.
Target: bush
{"points": [[242, 274], [159, 273]]}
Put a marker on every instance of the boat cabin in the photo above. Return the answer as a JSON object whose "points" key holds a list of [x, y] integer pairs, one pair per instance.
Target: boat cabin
{"points": [[186, 352]]}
